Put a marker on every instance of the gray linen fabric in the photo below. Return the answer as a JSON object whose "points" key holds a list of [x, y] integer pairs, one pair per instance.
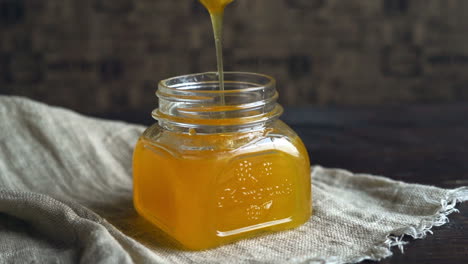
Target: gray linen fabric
{"points": [[66, 197]]}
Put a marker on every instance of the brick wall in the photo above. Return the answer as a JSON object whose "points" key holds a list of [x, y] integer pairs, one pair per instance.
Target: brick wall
{"points": [[96, 56]]}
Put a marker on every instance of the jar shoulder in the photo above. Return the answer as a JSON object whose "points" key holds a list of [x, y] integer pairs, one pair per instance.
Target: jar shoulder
{"points": [[155, 131], [277, 135]]}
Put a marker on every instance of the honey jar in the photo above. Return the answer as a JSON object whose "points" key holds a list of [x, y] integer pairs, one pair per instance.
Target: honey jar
{"points": [[219, 165]]}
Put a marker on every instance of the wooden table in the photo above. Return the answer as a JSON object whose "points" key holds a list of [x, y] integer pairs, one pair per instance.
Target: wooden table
{"points": [[418, 144]]}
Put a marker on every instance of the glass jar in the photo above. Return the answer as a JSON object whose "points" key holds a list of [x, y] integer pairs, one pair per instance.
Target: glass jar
{"points": [[220, 165]]}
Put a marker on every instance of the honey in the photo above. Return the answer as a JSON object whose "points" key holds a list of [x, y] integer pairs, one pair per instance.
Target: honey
{"points": [[219, 188]]}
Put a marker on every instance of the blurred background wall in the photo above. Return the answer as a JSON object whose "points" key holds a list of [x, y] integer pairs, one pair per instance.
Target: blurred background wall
{"points": [[100, 56]]}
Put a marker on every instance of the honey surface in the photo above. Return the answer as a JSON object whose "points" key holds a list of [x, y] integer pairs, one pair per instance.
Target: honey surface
{"points": [[210, 192]]}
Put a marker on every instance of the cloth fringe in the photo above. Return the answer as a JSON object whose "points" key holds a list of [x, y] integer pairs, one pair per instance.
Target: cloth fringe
{"points": [[424, 227], [419, 231]]}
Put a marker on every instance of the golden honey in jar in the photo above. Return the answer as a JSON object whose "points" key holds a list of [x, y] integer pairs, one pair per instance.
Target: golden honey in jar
{"points": [[220, 165]]}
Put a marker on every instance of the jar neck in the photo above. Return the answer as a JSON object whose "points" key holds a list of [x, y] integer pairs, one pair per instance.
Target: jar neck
{"points": [[195, 103]]}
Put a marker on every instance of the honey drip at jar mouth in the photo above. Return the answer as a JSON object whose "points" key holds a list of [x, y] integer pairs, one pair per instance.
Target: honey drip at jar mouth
{"points": [[216, 10]]}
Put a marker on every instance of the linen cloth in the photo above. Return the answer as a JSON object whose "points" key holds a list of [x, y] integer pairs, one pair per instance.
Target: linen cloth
{"points": [[66, 197]]}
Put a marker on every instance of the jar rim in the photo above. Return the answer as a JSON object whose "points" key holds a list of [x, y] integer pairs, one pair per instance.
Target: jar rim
{"points": [[165, 84], [196, 101]]}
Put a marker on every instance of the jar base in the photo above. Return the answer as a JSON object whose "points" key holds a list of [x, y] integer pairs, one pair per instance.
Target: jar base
{"points": [[221, 238]]}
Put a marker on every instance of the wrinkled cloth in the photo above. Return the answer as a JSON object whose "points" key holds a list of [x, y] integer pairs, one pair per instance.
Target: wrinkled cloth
{"points": [[66, 197]]}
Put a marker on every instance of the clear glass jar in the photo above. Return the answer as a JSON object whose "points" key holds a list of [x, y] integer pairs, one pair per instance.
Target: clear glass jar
{"points": [[220, 165]]}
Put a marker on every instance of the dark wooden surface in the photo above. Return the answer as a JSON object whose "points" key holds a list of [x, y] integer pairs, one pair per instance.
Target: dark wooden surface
{"points": [[419, 144]]}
